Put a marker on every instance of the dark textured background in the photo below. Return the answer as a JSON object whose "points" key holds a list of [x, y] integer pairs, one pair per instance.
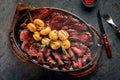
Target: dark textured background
{"points": [[11, 68]]}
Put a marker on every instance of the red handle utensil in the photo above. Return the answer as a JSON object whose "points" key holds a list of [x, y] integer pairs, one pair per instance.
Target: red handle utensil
{"points": [[107, 46]]}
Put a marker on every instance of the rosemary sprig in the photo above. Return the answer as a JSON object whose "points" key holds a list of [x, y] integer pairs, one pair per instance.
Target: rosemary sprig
{"points": [[64, 50], [29, 15]]}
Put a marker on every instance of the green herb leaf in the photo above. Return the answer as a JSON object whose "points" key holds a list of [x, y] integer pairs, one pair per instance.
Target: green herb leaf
{"points": [[29, 15], [64, 50]]}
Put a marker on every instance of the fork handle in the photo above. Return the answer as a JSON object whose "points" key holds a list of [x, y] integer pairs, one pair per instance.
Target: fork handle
{"points": [[118, 31], [114, 25]]}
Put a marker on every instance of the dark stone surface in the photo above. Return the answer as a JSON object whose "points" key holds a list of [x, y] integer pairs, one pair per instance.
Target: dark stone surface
{"points": [[11, 68]]}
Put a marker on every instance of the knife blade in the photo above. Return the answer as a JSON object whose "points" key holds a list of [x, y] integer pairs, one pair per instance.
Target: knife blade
{"points": [[104, 36]]}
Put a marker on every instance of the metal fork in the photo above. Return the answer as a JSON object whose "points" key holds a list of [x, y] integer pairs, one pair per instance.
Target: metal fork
{"points": [[110, 21]]}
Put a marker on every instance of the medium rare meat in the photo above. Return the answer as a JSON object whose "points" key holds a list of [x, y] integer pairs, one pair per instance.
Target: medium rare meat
{"points": [[71, 21], [41, 13], [47, 52], [78, 51], [58, 58], [64, 57], [40, 58], [25, 35], [56, 21], [25, 46], [33, 50], [82, 47], [51, 62], [86, 58], [75, 44], [72, 32], [78, 27], [57, 17], [84, 37], [67, 64], [74, 38], [77, 63]]}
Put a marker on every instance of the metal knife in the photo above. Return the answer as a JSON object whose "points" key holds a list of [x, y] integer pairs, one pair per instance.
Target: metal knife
{"points": [[104, 36]]}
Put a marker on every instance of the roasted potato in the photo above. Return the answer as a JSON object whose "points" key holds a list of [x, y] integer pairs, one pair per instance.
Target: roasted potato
{"points": [[63, 35], [39, 24], [53, 35], [55, 45], [45, 41], [45, 31], [66, 44], [31, 27], [36, 36]]}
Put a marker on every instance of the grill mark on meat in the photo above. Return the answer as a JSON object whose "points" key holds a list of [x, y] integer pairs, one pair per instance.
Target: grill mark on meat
{"points": [[72, 32], [64, 57], [56, 20], [64, 28], [77, 63], [33, 50], [67, 64], [75, 44], [52, 63], [41, 13], [57, 57], [77, 51], [71, 21], [84, 37], [78, 27], [40, 58], [47, 52], [81, 46], [71, 53]]}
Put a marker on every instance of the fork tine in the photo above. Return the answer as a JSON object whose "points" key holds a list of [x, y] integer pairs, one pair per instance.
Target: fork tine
{"points": [[106, 16], [109, 19]]}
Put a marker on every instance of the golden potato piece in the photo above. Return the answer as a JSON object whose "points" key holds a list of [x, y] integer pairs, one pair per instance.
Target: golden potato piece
{"points": [[31, 27], [53, 35], [39, 23], [36, 36], [66, 44], [45, 31], [45, 41], [63, 35], [55, 45]]}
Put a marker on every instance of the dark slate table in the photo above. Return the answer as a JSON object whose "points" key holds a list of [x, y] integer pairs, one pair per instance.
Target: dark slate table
{"points": [[11, 68]]}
